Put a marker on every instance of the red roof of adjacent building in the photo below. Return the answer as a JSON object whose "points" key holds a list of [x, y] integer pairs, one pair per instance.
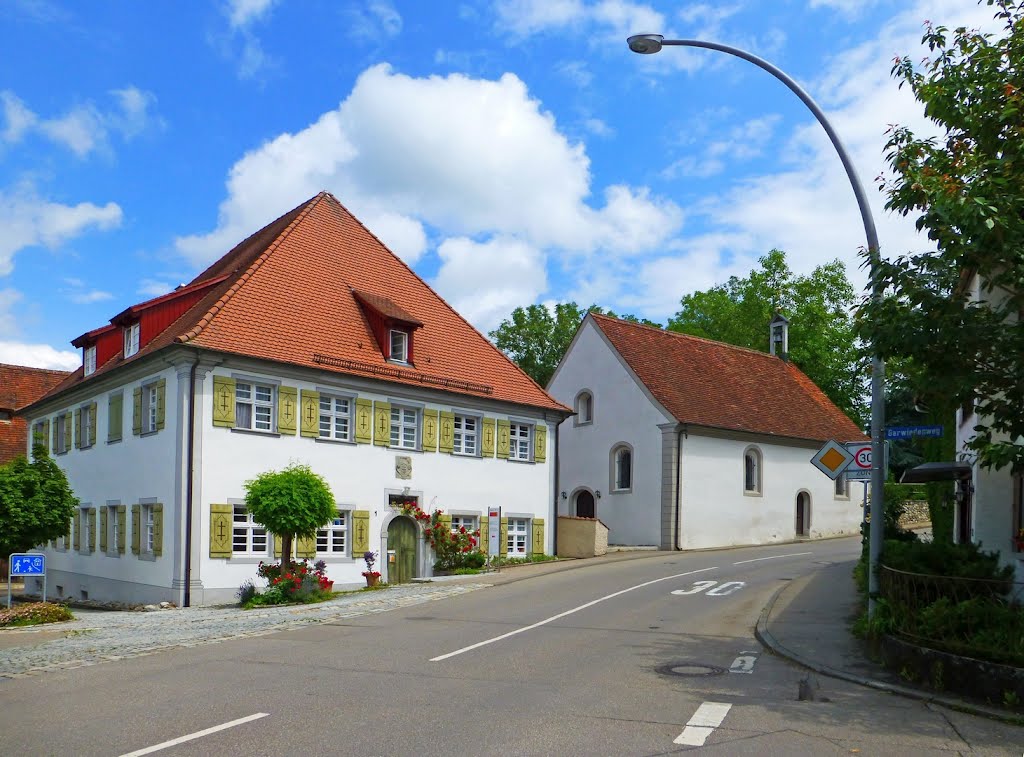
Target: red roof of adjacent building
{"points": [[20, 386], [716, 385], [289, 293]]}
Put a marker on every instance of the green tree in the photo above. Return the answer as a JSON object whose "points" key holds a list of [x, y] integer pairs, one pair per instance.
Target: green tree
{"points": [[965, 189], [36, 502], [290, 503], [822, 342]]}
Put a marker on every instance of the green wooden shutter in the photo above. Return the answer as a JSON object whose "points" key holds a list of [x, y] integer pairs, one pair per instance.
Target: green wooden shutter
{"points": [[310, 413], [137, 410], [223, 401], [503, 537], [221, 522], [487, 442], [446, 431], [161, 403], [92, 530], [115, 417], [103, 529], [136, 528], [540, 443], [77, 540], [446, 521], [382, 423], [503, 439], [360, 532], [78, 428], [430, 430], [537, 537], [122, 522], [364, 421], [287, 409], [92, 425], [278, 545], [38, 434], [68, 543], [158, 530], [46, 435], [482, 543], [56, 441], [305, 547]]}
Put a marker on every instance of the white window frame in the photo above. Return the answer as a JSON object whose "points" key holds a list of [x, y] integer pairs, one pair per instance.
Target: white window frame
{"points": [[112, 532], [333, 415], [131, 339], [85, 529], [520, 440], [465, 440], [87, 420], [471, 522], [402, 354], [89, 359], [256, 405], [842, 487], [146, 529], [335, 534], [517, 533], [398, 436], [584, 401], [754, 454], [149, 403], [61, 424], [616, 484], [256, 538]]}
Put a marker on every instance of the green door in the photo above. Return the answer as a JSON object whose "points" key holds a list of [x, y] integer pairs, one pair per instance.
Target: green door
{"points": [[402, 539]]}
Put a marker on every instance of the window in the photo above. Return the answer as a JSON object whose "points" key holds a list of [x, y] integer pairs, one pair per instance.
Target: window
{"points": [[146, 529], [332, 539], [149, 408], [85, 530], [247, 536], [468, 522], [519, 442], [88, 426], [467, 429], [60, 425], [622, 469], [752, 471], [518, 533], [404, 427], [399, 346], [113, 530], [584, 408], [254, 406], [89, 359], [131, 339], [335, 418], [842, 486]]}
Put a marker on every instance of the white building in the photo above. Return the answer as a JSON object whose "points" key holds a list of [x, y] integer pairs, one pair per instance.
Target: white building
{"points": [[685, 443], [310, 342]]}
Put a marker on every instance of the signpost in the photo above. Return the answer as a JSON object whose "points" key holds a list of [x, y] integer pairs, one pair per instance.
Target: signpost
{"points": [[26, 564], [493, 531]]}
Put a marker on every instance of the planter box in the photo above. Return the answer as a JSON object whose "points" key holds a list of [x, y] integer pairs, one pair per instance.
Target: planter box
{"points": [[581, 537]]}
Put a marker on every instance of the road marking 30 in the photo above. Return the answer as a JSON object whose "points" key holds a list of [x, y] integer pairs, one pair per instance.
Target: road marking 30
{"points": [[744, 663], [703, 723], [196, 735], [720, 590]]}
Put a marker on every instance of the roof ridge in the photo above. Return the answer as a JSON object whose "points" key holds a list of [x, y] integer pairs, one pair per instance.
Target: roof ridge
{"points": [[681, 335], [210, 314], [35, 368]]}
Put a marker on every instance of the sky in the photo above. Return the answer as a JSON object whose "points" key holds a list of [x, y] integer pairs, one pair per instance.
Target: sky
{"points": [[511, 151]]}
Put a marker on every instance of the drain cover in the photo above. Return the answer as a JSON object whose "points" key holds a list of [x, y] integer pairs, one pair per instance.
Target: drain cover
{"points": [[690, 669]]}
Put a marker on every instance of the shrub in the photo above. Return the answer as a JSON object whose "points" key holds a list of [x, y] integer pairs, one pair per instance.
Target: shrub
{"points": [[942, 559], [34, 614], [246, 591]]}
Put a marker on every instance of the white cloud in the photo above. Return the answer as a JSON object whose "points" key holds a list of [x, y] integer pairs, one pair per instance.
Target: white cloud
{"points": [[377, 20], [18, 118], [742, 142], [242, 13], [81, 129], [87, 297], [8, 298], [150, 288], [30, 220], [525, 17], [38, 356], [485, 281]]}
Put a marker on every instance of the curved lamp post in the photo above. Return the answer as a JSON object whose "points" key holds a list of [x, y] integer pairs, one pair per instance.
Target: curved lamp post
{"points": [[647, 44]]}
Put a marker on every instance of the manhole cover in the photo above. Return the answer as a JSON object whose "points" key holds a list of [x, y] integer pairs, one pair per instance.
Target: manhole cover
{"points": [[690, 669]]}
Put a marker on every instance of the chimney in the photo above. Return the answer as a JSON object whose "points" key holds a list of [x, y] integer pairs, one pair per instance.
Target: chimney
{"points": [[778, 335]]}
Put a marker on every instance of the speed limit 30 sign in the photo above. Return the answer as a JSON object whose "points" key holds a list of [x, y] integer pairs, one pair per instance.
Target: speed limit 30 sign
{"points": [[860, 466]]}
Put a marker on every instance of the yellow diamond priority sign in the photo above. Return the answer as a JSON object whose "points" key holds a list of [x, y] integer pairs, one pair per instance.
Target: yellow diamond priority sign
{"points": [[832, 459]]}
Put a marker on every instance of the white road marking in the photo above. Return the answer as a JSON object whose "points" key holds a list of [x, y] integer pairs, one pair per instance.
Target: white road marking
{"points": [[773, 557], [744, 663], [698, 586], [196, 735], [563, 614], [724, 590], [703, 723]]}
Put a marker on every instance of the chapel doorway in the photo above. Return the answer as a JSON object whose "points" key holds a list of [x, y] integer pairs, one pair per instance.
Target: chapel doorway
{"points": [[585, 505], [402, 541], [803, 514]]}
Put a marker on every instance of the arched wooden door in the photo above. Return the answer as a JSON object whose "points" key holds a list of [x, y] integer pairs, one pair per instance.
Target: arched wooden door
{"points": [[402, 539], [803, 514], [585, 505]]}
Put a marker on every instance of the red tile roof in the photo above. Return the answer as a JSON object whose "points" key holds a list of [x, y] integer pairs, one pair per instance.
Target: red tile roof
{"points": [[19, 386], [288, 296], [716, 385]]}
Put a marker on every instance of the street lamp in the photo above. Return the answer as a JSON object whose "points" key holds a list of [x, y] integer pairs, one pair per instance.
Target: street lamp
{"points": [[647, 44]]}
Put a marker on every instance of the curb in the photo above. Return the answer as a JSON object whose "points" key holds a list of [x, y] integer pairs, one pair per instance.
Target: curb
{"points": [[770, 642]]}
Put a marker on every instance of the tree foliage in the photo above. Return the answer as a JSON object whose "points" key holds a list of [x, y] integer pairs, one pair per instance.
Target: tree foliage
{"points": [[536, 337], [966, 191], [293, 502], [36, 502], [822, 342]]}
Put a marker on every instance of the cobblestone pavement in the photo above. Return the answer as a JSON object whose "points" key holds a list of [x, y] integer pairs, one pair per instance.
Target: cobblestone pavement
{"points": [[102, 637]]}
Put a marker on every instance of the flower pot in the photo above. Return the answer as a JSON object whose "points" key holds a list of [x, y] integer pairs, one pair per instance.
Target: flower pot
{"points": [[372, 580], [329, 586]]}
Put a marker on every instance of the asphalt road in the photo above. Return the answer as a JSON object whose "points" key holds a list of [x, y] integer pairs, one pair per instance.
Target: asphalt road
{"points": [[652, 655]]}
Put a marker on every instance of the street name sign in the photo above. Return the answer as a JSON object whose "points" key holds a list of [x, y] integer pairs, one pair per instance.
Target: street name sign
{"points": [[907, 432], [832, 459]]}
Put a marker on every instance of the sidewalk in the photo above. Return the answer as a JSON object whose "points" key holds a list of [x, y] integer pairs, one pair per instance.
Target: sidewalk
{"points": [[808, 621]]}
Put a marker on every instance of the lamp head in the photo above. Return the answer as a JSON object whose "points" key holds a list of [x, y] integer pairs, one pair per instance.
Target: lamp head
{"points": [[645, 44]]}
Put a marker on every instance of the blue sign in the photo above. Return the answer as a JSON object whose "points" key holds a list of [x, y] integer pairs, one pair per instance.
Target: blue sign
{"points": [[906, 432], [24, 564]]}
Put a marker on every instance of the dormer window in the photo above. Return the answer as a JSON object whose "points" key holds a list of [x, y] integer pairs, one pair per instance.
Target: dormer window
{"points": [[131, 340], [89, 359], [399, 346]]}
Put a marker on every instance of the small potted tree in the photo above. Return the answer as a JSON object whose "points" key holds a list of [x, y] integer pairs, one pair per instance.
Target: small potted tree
{"points": [[372, 576]]}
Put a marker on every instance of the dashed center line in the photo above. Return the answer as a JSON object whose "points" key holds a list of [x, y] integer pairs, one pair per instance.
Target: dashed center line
{"points": [[703, 723], [773, 557], [196, 735]]}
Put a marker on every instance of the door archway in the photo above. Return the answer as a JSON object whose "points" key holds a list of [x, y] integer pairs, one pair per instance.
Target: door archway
{"points": [[803, 514], [402, 541], [585, 507]]}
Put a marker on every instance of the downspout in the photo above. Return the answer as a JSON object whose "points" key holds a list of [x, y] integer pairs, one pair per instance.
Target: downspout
{"points": [[188, 485], [679, 488], [554, 523]]}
